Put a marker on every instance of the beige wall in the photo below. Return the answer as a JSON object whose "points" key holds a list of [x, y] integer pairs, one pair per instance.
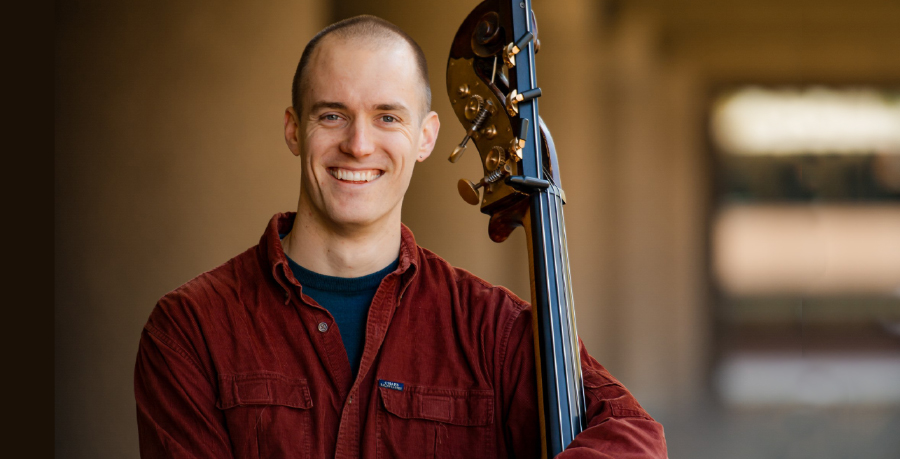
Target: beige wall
{"points": [[170, 160]]}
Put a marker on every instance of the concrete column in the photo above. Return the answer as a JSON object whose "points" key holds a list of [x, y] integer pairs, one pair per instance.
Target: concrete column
{"points": [[658, 305]]}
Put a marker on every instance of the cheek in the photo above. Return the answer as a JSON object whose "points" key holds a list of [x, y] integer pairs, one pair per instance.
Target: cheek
{"points": [[406, 166], [315, 147], [402, 151]]}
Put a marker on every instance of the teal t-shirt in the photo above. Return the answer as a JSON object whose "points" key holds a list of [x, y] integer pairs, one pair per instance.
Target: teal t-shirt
{"points": [[347, 299]]}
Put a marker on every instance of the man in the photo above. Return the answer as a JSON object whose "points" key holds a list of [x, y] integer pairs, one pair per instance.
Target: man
{"points": [[337, 336]]}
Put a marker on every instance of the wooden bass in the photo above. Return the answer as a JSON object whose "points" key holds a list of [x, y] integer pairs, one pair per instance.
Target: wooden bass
{"points": [[493, 90]]}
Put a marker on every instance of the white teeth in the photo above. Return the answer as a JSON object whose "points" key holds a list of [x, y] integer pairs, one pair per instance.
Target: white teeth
{"points": [[354, 176]]}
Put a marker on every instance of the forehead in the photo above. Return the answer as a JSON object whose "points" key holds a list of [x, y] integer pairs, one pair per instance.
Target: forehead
{"points": [[362, 70]]}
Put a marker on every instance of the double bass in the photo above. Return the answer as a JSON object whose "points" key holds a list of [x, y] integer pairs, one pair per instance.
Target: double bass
{"points": [[493, 90]]}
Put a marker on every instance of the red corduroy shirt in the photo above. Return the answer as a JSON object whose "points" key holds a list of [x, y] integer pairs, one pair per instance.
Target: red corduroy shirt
{"points": [[240, 363]]}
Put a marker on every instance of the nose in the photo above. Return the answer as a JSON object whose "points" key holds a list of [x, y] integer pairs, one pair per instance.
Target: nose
{"points": [[359, 141]]}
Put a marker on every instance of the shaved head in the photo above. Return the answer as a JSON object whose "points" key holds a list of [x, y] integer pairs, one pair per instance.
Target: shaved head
{"points": [[368, 31]]}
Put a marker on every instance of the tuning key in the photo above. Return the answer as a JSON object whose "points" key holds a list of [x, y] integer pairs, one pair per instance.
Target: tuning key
{"points": [[510, 51], [483, 113], [518, 143], [458, 151], [513, 99], [469, 191]]}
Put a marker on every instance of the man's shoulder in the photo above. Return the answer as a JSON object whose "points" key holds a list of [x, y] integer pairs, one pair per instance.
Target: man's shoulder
{"points": [[241, 269], [214, 290], [467, 284], [470, 306]]}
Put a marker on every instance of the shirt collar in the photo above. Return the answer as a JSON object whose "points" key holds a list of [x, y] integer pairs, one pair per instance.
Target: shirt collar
{"points": [[272, 252]]}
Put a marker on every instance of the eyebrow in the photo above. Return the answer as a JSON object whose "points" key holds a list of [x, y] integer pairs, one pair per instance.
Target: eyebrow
{"points": [[324, 104], [389, 107], [392, 107]]}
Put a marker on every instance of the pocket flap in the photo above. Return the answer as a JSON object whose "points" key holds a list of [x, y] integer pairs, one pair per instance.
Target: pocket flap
{"points": [[459, 407], [263, 389]]}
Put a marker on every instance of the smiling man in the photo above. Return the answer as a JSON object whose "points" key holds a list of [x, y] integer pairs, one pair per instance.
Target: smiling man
{"points": [[337, 335], [360, 120]]}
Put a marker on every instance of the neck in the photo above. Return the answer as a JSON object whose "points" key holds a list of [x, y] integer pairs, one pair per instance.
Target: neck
{"points": [[341, 251]]}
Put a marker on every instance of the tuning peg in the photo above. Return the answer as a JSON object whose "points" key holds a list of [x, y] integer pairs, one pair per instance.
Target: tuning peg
{"points": [[518, 143], [469, 191], [513, 48], [458, 151], [483, 113], [495, 158], [513, 99]]}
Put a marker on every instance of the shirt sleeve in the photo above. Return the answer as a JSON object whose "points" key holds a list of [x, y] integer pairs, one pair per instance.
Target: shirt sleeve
{"points": [[617, 426], [176, 402]]}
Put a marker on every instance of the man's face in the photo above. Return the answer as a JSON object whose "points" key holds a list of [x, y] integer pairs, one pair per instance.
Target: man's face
{"points": [[360, 132]]}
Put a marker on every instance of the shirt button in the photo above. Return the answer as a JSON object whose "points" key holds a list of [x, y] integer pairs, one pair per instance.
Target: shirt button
{"points": [[323, 327], [350, 400]]}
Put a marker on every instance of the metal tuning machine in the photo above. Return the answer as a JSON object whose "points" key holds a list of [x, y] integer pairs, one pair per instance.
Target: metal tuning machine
{"points": [[518, 143], [513, 48], [514, 98], [469, 190], [482, 112], [498, 162]]}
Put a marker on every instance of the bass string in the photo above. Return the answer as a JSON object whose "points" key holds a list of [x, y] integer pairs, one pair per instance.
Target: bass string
{"points": [[577, 386], [560, 288], [543, 213], [566, 315], [566, 347]]}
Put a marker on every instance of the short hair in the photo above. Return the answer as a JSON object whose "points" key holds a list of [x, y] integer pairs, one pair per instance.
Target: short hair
{"points": [[362, 26]]}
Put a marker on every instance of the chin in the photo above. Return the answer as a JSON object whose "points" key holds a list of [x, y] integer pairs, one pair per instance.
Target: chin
{"points": [[350, 218], [359, 212]]}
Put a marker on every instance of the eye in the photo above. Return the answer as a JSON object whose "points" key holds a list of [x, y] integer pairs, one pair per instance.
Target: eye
{"points": [[388, 118], [330, 117]]}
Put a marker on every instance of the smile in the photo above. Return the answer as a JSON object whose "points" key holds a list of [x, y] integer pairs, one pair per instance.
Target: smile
{"points": [[347, 175]]}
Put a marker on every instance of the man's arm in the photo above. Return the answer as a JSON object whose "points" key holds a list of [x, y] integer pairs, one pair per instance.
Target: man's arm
{"points": [[176, 400], [617, 426]]}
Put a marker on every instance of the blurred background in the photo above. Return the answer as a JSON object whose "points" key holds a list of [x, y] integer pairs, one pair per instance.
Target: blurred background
{"points": [[732, 170]]}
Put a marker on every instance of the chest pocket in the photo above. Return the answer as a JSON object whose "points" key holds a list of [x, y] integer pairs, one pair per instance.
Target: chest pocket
{"points": [[267, 414], [429, 422]]}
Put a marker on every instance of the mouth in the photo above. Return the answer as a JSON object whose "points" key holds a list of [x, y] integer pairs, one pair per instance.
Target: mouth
{"points": [[359, 176]]}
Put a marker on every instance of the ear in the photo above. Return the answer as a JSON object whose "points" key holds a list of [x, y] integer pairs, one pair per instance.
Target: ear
{"points": [[430, 127], [292, 130]]}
